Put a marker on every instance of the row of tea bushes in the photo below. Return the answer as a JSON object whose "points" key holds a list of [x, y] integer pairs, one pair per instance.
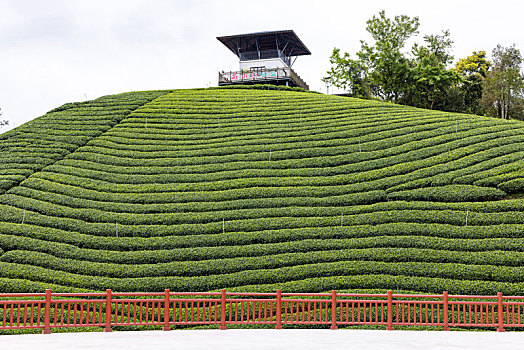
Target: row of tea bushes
{"points": [[450, 271], [100, 223], [40, 237], [205, 250], [270, 260]]}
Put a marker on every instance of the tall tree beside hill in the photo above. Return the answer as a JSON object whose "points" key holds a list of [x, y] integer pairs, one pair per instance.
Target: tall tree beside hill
{"points": [[388, 68], [431, 79], [465, 97], [381, 69], [348, 74], [503, 94]]}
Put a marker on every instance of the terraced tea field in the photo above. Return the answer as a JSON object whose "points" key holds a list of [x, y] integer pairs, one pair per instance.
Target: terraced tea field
{"points": [[197, 190]]}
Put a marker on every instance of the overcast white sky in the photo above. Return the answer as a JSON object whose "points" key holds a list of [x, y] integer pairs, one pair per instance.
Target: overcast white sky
{"points": [[58, 51]]}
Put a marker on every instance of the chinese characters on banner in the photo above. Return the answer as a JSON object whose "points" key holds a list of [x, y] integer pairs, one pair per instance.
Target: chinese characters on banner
{"points": [[253, 75]]}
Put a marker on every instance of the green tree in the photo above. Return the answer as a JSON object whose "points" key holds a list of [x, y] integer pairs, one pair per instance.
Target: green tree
{"points": [[465, 97], [389, 69], [347, 74], [431, 78], [476, 64], [380, 69], [503, 88]]}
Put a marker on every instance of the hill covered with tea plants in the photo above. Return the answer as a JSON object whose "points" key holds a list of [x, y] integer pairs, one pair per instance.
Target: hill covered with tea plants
{"points": [[253, 189]]}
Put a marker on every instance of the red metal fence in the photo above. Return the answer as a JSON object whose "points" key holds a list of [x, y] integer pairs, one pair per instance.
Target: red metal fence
{"points": [[53, 310]]}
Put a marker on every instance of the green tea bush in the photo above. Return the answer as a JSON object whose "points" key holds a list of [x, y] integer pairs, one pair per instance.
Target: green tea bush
{"points": [[450, 193], [513, 186]]}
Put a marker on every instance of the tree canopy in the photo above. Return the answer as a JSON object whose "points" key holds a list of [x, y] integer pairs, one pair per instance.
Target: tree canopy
{"points": [[389, 69], [504, 84], [423, 77], [431, 78]]}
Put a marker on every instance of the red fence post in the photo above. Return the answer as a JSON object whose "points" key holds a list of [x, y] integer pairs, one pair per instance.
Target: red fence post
{"points": [[389, 327], [279, 310], [223, 310], [107, 327], [445, 311], [500, 312], [47, 312], [166, 310], [333, 310]]}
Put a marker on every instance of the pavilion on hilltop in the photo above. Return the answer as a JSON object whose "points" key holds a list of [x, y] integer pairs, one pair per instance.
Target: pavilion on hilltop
{"points": [[265, 58]]}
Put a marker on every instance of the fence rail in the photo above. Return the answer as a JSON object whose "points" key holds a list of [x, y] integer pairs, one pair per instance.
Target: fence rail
{"points": [[54, 310]]}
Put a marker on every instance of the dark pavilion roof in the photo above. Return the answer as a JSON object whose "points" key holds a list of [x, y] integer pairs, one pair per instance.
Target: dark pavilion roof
{"points": [[285, 40]]}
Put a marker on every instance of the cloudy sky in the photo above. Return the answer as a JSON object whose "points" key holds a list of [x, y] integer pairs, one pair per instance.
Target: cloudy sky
{"points": [[58, 51]]}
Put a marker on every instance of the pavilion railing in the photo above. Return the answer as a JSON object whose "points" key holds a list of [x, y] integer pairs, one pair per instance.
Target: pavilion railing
{"points": [[261, 76], [168, 310]]}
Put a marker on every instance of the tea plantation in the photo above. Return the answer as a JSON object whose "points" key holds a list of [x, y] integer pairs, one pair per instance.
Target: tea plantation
{"points": [[259, 189]]}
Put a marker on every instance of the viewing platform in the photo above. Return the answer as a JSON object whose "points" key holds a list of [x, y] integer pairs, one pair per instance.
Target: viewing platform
{"points": [[276, 76], [264, 58]]}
